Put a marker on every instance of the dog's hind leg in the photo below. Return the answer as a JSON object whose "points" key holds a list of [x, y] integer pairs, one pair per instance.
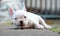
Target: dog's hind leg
{"points": [[44, 23], [38, 26]]}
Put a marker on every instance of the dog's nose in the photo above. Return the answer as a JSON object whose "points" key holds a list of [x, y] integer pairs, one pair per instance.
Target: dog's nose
{"points": [[21, 23]]}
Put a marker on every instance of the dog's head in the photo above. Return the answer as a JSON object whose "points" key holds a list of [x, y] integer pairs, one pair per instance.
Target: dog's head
{"points": [[19, 18]]}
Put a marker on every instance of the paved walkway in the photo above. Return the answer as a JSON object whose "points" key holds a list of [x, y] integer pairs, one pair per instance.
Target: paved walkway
{"points": [[26, 32]]}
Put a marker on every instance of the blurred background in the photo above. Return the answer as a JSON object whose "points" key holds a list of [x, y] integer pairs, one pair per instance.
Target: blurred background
{"points": [[48, 9]]}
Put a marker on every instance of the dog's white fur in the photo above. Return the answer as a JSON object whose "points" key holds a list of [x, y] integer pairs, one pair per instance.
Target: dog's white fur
{"points": [[31, 19]]}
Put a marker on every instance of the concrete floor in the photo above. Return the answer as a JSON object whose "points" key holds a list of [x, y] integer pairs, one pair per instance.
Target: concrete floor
{"points": [[26, 32]]}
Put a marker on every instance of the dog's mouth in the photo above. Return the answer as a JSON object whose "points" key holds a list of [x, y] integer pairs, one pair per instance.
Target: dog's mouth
{"points": [[21, 24]]}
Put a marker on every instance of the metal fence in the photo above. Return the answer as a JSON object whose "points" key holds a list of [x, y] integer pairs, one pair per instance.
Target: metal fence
{"points": [[47, 8]]}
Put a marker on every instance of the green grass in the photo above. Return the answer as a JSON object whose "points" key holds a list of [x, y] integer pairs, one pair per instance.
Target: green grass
{"points": [[8, 23], [55, 28]]}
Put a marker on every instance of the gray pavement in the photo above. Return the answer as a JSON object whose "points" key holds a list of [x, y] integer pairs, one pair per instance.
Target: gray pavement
{"points": [[26, 32]]}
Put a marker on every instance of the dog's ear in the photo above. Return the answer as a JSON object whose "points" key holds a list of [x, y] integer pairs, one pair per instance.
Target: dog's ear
{"points": [[11, 11]]}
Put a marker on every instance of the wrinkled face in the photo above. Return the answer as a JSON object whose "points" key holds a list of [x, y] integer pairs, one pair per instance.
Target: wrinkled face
{"points": [[21, 20]]}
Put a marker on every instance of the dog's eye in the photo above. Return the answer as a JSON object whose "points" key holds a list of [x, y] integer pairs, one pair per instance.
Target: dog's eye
{"points": [[15, 18], [24, 16]]}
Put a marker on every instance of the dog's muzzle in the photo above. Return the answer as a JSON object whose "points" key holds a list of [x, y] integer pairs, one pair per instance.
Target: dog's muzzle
{"points": [[21, 23]]}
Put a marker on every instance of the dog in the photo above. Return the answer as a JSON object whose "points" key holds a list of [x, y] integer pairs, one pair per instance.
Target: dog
{"points": [[23, 19]]}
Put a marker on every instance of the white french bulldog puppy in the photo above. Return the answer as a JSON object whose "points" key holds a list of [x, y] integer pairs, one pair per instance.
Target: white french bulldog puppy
{"points": [[24, 19]]}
